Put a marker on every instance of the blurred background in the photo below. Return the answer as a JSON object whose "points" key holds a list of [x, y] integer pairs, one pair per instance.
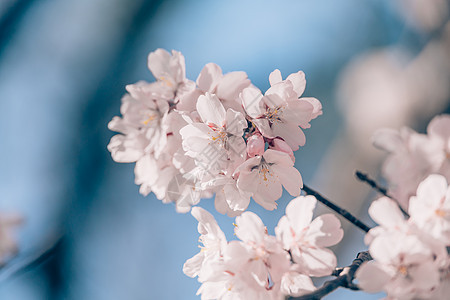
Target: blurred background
{"points": [[63, 68]]}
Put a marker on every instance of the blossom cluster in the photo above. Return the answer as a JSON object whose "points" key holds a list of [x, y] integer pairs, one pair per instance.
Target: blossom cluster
{"points": [[219, 135], [410, 254], [261, 266], [414, 156]]}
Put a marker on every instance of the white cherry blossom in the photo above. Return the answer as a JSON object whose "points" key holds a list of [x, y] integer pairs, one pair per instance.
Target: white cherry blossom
{"points": [[263, 176], [213, 240], [307, 239], [217, 140], [280, 112], [430, 209], [403, 267]]}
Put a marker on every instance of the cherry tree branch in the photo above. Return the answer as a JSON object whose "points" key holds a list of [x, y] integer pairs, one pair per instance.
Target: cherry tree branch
{"points": [[373, 184], [345, 279], [343, 212]]}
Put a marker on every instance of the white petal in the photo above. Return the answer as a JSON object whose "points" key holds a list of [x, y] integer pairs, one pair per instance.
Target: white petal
{"points": [[325, 231], [290, 178], [388, 140], [264, 127], [440, 127], [209, 77], [193, 265], [252, 101], [275, 77], [296, 284], [300, 212], [298, 81], [232, 85], [250, 228], [291, 134], [315, 261], [372, 277], [235, 122], [432, 190], [386, 212], [211, 109], [317, 106]]}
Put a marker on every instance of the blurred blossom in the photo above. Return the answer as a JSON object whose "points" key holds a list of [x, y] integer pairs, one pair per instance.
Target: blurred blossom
{"points": [[8, 244], [425, 15]]}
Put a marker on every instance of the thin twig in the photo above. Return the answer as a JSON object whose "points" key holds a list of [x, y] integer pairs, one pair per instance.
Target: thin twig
{"points": [[351, 218], [373, 184], [365, 178], [344, 280]]}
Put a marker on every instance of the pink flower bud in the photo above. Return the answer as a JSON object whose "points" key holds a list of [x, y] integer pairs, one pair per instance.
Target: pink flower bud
{"points": [[280, 145], [255, 145]]}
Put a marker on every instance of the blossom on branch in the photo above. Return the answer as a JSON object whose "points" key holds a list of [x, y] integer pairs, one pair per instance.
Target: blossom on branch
{"points": [[218, 135], [261, 266], [410, 255], [414, 156]]}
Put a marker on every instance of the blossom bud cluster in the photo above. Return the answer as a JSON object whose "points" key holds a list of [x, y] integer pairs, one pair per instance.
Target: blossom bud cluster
{"points": [[219, 135], [413, 156], [411, 260], [261, 266]]}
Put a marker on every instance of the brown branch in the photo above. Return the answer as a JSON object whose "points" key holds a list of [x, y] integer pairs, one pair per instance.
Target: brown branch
{"points": [[373, 184], [345, 279], [343, 212]]}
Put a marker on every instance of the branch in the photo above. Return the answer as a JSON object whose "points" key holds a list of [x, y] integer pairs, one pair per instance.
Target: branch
{"points": [[373, 184], [351, 218], [345, 279]]}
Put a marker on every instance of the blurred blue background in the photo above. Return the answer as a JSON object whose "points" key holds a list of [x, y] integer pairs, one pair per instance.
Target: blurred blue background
{"points": [[63, 68]]}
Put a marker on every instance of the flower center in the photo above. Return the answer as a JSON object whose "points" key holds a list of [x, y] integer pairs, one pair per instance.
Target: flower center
{"points": [[151, 117], [440, 213], [403, 270], [273, 114]]}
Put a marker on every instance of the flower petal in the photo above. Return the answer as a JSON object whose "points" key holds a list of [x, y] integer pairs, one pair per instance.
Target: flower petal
{"points": [[209, 77], [211, 110]]}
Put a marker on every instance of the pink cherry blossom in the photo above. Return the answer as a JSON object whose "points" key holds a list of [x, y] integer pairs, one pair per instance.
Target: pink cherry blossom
{"points": [[213, 240], [403, 267], [413, 156], [217, 140], [306, 239], [430, 209], [280, 145], [170, 71], [280, 112], [263, 177], [227, 87], [255, 145]]}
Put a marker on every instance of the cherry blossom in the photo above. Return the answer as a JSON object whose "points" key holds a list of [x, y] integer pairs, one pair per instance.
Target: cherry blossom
{"points": [[414, 156], [430, 209], [263, 176], [219, 134], [213, 240], [256, 267], [403, 267], [193, 140], [280, 112], [306, 239]]}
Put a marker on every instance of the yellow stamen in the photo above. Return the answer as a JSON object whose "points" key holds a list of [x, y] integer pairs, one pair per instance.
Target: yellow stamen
{"points": [[166, 81], [440, 213], [150, 118], [403, 270]]}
